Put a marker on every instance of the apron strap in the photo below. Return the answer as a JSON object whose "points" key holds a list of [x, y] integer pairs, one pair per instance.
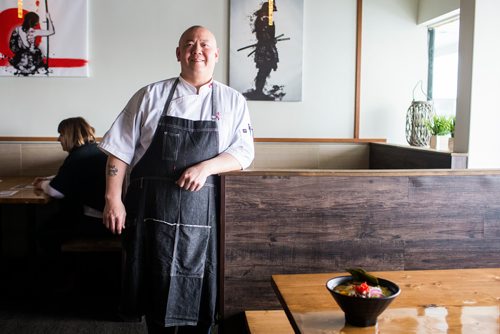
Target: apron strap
{"points": [[169, 99], [215, 115]]}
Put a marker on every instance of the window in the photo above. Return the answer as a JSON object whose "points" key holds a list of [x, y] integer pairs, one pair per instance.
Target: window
{"points": [[443, 66]]}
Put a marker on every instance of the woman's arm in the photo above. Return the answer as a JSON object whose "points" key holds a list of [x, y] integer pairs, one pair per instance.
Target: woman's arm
{"points": [[51, 191], [43, 184]]}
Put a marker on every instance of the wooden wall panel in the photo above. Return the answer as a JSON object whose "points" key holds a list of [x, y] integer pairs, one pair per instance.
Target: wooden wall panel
{"points": [[299, 223], [287, 257], [492, 222], [390, 156], [450, 254]]}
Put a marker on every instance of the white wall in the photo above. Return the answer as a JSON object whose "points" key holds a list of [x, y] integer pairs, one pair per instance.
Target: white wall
{"points": [[477, 105], [132, 43], [394, 60]]}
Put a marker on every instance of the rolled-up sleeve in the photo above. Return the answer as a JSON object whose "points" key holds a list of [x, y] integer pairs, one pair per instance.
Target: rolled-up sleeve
{"points": [[241, 145]]}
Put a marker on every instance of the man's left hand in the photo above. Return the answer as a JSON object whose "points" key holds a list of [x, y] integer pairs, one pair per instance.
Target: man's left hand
{"points": [[193, 178]]}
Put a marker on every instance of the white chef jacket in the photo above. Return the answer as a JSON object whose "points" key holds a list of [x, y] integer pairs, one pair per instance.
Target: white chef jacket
{"points": [[132, 132]]}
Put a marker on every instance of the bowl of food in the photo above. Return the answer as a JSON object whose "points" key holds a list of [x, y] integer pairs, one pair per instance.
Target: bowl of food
{"points": [[362, 296]]}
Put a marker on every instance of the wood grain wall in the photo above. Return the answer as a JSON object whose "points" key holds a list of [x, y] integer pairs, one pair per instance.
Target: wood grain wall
{"points": [[276, 223], [391, 156]]}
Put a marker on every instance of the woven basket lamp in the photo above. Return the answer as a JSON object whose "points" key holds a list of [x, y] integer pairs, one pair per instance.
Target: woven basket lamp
{"points": [[418, 114]]}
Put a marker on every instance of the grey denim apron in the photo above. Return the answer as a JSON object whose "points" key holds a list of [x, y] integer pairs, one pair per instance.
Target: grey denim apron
{"points": [[170, 239]]}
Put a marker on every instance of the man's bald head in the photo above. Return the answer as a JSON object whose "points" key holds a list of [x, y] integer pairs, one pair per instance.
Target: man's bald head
{"points": [[189, 30]]}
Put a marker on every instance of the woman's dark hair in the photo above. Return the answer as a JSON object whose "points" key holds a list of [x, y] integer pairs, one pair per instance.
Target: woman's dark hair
{"points": [[31, 19], [75, 132]]}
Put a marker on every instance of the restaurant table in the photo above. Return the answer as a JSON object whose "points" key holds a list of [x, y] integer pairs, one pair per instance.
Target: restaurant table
{"points": [[431, 301], [18, 190]]}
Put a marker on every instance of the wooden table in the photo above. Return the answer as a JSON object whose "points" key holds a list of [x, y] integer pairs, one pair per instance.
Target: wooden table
{"points": [[431, 301], [18, 190], [22, 191]]}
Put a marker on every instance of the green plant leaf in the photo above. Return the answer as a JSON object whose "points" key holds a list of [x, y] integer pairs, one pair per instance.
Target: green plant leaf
{"points": [[441, 125], [361, 275]]}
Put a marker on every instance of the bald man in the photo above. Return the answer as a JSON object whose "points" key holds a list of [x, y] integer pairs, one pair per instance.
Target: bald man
{"points": [[171, 140]]}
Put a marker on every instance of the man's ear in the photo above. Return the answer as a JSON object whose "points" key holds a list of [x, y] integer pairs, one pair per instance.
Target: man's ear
{"points": [[178, 53], [217, 55]]}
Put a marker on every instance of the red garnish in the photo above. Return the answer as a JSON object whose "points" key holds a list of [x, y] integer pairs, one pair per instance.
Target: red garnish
{"points": [[363, 288]]}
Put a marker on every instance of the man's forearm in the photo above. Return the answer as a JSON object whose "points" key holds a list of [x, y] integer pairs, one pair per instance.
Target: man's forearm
{"points": [[115, 174], [224, 162], [114, 212]]}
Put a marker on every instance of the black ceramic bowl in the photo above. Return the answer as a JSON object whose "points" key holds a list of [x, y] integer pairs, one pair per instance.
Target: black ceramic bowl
{"points": [[362, 312]]}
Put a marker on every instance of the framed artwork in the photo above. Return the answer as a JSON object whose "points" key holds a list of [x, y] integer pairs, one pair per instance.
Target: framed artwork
{"points": [[43, 38], [266, 49]]}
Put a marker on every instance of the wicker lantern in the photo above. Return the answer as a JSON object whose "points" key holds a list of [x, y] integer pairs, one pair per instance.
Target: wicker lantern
{"points": [[418, 114]]}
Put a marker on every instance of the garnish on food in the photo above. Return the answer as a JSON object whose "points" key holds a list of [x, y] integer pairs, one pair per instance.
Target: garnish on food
{"points": [[361, 275], [363, 285]]}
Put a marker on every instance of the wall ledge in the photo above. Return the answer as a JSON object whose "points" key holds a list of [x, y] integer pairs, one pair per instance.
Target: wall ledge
{"points": [[257, 140]]}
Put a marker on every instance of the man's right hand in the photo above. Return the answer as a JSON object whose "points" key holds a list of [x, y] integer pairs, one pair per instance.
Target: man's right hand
{"points": [[114, 216], [114, 211]]}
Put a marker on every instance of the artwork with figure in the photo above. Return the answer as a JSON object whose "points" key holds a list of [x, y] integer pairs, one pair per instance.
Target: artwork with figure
{"points": [[27, 59], [266, 49], [30, 45]]}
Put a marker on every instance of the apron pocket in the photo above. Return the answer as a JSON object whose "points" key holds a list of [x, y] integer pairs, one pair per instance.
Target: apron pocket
{"points": [[191, 250], [197, 207], [176, 250], [170, 149]]}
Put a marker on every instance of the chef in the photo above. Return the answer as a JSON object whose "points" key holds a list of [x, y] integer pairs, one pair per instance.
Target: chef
{"points": [[171, 140]]}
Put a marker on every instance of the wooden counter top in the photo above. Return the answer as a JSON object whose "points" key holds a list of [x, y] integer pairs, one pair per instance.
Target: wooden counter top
{"points": [[22, 191]]}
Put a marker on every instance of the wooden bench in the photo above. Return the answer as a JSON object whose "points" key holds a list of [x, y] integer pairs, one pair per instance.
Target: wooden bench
{"points": [[92, 245], [269, 321]]}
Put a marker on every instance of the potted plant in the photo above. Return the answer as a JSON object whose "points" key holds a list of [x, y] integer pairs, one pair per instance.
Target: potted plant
{"points": [[440, 128], [451, 141]]}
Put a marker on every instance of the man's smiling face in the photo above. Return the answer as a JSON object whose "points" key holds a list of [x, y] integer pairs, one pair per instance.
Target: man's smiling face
{"points": [[197, 52]]}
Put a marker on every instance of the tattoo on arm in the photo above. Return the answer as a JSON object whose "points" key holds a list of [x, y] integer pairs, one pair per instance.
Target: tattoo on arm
{"points": [[112, 170]]}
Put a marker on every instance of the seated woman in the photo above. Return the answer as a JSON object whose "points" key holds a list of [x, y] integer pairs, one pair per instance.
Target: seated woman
{"points": [[79, 184]]}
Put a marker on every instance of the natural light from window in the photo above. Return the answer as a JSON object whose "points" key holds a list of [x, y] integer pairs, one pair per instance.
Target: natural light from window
{"points": [[445, 67]]}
